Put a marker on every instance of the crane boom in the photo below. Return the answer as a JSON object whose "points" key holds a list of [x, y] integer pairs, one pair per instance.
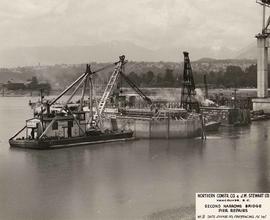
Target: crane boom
{"points": [[119, 70], [110, 85], [136, 89]]}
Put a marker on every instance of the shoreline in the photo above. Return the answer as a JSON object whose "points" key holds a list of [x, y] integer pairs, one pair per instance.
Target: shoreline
{"points": [[151, 91]]}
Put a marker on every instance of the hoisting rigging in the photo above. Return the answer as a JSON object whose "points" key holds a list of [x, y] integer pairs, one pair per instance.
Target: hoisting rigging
{"points": [[188, 92]]}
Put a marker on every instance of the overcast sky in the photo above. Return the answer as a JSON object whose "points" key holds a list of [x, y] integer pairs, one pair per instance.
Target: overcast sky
{"points": [[149, 23]]}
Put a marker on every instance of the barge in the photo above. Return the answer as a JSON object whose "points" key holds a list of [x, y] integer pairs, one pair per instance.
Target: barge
{"points": [[167, 123], [69, 125], [61, 142]]}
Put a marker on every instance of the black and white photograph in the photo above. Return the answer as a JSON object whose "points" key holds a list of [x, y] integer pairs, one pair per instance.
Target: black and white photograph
{"points": [[134, 110]]}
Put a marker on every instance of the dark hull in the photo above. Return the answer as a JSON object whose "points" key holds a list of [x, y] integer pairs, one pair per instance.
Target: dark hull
{"points": [[260, 117], [71, 142]]}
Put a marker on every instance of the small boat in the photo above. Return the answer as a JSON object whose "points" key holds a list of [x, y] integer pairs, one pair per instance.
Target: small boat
{"points": [[259, 116]]}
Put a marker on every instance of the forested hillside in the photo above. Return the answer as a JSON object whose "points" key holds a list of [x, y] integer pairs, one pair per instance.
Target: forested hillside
{"points": [[220, 73]]}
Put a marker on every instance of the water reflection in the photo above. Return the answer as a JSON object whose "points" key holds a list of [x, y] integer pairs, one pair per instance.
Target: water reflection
{"points": [[263, 166]]}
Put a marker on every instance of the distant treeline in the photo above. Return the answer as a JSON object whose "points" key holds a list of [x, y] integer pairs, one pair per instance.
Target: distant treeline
{"points": [[232, 77], [161, 74], [150, 79]]}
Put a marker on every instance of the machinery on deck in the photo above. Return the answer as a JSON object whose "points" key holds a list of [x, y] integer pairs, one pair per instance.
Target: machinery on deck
{"points": [[136, 89], [68, 124]]}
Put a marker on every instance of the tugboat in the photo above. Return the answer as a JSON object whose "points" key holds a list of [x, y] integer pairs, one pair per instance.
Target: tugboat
{"points": [[71, 125]]}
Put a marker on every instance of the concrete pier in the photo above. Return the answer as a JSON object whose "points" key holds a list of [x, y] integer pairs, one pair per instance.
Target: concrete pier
{"points": [[262, 66], [262, 102]]}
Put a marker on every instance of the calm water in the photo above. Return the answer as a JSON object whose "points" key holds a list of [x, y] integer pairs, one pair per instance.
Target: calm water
{"points": [[144, 179]]}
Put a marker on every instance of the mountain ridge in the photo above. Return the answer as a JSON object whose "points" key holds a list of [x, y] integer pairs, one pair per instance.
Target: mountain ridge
{"points": [[103, 52]]}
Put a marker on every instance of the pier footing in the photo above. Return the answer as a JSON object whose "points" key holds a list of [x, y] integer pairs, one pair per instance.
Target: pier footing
{"points": [[261, 104]]}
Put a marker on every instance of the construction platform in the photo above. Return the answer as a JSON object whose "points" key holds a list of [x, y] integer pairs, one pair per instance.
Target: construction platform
{"points": [[170, 123]]}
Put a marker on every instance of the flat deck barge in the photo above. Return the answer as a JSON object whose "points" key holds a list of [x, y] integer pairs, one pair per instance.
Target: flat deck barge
{"points": [[51, 143]]}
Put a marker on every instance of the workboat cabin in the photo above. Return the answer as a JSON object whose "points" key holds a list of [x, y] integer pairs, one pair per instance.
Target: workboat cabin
{"points": [[59, 125]]}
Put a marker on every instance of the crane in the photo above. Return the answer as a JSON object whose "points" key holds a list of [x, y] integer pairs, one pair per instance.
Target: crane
{"points": [[118, 71], [188, 90], [110, 85]]}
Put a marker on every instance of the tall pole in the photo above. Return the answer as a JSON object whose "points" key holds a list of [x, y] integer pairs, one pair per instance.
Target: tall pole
{"points": [[234, 96], [205, 86], [67, 89], [83, 92], [263, 19], [73, 93], [90, 95]]}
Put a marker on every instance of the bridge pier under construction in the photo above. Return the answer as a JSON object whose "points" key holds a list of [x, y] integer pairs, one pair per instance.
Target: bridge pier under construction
{"points": [[262, 102]]}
